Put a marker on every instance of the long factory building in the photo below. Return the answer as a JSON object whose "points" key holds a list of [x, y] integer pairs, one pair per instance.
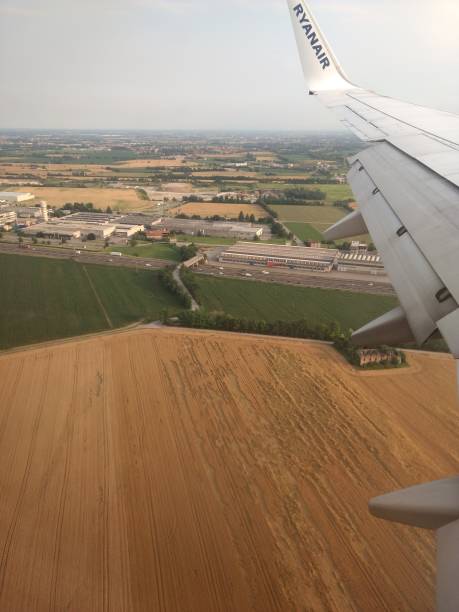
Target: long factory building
{"points": [[321, 260], [307, 258]]}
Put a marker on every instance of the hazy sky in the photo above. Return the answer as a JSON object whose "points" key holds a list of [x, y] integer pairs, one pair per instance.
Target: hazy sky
{"points": [[211, 64]]}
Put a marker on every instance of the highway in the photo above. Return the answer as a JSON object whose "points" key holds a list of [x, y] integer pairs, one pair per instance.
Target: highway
{"points": [[89, 257], [341, 281]]}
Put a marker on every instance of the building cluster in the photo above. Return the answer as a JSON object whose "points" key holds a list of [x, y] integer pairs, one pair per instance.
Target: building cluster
{"points": [[320, 260], [13, 213], [82, 225]]}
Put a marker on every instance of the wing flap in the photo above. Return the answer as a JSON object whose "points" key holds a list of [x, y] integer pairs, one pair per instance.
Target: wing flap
{"points": [[414, 280], [426, 204]]}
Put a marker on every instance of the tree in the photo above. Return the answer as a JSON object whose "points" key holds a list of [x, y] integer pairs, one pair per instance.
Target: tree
{"points": [[91, 236], [241, 216], [109, 210]]}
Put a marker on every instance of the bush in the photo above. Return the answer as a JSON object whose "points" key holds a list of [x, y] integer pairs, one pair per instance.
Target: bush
{"points": [[187, 252]]}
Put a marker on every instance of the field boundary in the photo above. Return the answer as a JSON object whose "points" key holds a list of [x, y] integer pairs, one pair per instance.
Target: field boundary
{"points": [[99, 301], [26, 348]]}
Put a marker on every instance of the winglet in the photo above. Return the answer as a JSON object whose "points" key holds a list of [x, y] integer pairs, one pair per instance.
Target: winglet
{"points": [[320, 66]]}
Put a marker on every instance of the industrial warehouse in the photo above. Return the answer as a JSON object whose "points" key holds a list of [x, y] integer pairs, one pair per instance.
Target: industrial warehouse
{"points": [[308, 258], [14, 197], [229, 229], [361, 262], [320, 260]]}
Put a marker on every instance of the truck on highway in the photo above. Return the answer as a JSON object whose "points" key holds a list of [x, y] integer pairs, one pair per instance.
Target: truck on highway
{"points": [[116, 254]]}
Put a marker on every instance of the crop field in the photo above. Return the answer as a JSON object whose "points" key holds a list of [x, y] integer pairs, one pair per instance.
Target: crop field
{"points": [[173, 470], [45, 299], [231, 211], [271, 302], [154, 251], [117, 199], [305, 231]]}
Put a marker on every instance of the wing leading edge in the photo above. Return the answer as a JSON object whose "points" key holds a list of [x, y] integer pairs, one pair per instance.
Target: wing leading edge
{"points": [[407, 188]]}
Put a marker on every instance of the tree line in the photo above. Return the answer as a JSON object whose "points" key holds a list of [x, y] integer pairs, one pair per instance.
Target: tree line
{"points": [[328, 332]]}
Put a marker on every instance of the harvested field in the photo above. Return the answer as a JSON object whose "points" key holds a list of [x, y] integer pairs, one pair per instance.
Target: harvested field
{"points": [[172, 470], [224, 210], [117, 199]]}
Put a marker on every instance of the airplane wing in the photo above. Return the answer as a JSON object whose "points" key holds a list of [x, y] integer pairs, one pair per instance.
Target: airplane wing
{"points": [[406, 183]]}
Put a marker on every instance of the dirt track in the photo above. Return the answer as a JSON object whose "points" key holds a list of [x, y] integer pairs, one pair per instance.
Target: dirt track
{"points": [[188, 471]]}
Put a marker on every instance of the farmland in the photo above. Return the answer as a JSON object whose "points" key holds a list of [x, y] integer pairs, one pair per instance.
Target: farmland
{"points": [[168, 470], [271, 302], [43, 299], [117, 199]]}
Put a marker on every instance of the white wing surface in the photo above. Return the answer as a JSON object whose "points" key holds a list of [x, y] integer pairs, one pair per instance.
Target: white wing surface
{"points": [[407, 186]]}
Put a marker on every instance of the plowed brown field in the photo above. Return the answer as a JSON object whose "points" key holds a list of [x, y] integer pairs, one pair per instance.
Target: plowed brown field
{"points": [[192, 471]]}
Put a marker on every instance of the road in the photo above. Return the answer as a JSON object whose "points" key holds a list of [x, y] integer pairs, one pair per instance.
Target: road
{"points": [[176, 274], [89, 257], [333, 280]]}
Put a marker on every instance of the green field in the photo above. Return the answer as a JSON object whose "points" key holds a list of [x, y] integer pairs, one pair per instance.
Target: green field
{"points": [[304, 231], [318, 216], [45, 299], [271, 302], [336, 192], [153, 251]]}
